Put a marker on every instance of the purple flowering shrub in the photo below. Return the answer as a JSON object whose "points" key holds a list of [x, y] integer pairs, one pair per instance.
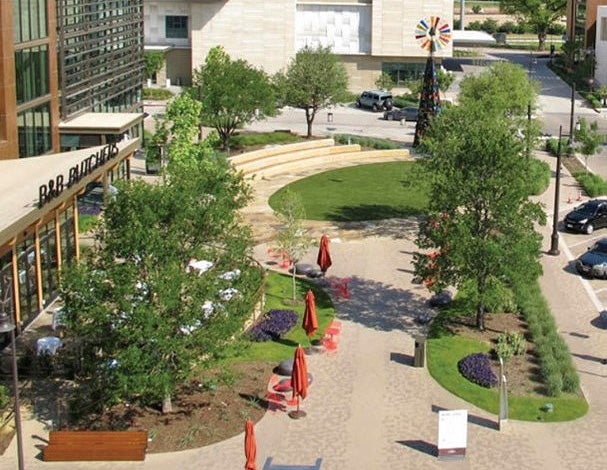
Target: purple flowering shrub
{"points": [[274, 324], [477, 369]]}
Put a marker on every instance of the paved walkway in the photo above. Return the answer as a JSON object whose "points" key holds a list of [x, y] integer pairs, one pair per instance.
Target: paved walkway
{"points": [[368, 408]]}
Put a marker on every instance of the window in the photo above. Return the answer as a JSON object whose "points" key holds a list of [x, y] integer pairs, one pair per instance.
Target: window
{"points": [[34, 129], [176, 27], [604, 29], [403, 71], [31, 68]]}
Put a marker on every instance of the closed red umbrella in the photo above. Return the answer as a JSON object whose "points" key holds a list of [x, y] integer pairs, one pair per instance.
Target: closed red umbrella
{"points": [[324, 257], [299, 381], [250, 447], [310, 322]]}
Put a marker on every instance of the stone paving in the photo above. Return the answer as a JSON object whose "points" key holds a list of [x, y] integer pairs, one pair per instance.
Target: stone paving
{"points": [[368, 408]]}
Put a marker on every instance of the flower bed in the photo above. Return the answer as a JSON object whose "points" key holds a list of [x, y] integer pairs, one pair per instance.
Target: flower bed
{"points": [[273, 325], [477, 369]]}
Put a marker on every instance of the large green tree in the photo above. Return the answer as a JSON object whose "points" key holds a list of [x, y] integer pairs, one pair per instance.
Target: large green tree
{"points": [[540, 15], [506, 90], [233, 93], [141, 315], [314, 79], [481, 223]]}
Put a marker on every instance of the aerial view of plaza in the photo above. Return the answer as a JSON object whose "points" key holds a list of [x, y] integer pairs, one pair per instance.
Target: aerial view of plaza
{"points": [[303, 234]]}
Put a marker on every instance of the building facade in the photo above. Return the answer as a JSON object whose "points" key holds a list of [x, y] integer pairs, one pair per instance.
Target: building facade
{"points": [[370, 36], [63, 58]]}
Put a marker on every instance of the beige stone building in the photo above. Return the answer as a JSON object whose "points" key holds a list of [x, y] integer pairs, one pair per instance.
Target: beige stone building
{"points": [[370, 36]]}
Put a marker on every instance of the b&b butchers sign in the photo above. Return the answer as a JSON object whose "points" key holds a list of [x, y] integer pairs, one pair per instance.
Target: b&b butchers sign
{"points": [[49, 191]]}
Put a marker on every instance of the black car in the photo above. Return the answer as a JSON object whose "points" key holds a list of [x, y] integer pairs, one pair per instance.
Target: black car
{"points": [[587, 217], [408, 114], [593, 263]]}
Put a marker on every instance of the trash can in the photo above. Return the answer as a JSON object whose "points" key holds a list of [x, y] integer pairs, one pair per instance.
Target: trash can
{"points": [[420, 351]]}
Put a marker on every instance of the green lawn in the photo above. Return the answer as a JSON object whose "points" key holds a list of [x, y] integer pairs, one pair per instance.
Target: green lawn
{"points": [[443, 356], [366, 192], [279, 293]]}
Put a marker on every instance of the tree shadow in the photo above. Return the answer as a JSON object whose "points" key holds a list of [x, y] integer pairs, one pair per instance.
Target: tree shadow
{"points": [[381, 306], [370, 212]]}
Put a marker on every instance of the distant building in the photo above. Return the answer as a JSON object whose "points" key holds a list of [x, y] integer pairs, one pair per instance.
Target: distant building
{"points": [[71, 75], [63, 58], [370, 36]]}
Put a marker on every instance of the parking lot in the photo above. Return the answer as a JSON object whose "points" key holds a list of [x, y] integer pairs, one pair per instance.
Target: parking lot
{"points": [[577, 244]]}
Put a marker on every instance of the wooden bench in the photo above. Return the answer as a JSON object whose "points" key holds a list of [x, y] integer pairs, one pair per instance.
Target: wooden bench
{"points": [[95, 445]]}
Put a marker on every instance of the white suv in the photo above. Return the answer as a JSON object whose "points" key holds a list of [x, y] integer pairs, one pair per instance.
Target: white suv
{"points": [[376, 100]]}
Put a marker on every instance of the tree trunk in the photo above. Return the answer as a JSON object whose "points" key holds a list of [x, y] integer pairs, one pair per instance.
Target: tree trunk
{"points": [[309, 120], [294, 283], [480, 318], [167, 404], [542, 41]]}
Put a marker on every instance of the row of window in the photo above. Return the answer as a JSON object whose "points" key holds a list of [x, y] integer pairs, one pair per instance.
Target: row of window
{"points": [[34, 131], [29, 20], [31, 66]]}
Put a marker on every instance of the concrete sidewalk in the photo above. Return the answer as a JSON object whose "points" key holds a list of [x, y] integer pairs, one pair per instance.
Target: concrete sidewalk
{"points": [[368, 408]]}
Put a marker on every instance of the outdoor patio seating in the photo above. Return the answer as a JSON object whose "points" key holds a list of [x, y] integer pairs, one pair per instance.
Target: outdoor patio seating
{"points": [[48, 345]]}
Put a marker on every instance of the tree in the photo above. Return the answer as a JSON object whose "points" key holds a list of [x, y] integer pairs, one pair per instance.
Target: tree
{"points": [[589, 139], [480, 222], [154, 60], [292, 238], [384, 82], [505, 89], [540, 15], [140, 319], [314, 80], [233, 93]]}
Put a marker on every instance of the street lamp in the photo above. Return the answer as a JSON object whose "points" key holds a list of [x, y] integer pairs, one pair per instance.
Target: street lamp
{"points": [[554, 238], [7, 326]]}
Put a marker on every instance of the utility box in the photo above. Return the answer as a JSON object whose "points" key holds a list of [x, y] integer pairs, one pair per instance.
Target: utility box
{"points": [[419, 359]]}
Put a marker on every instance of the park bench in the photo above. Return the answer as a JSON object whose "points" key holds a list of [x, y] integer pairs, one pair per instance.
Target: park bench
{"points": [[95, 445]]}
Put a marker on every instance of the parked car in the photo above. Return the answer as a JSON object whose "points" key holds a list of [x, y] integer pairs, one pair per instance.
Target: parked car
{"points": [[408, 114], [587, 217], [375, 100], [593, 263]]}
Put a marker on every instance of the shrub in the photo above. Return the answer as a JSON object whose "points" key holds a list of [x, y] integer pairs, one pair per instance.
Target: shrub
{"points": [[539, 177], [157, 94], [408, 99], [5, 398], [262, 138], [489, 25], [476, 9], [370, 142], [477, 369], [508, 27], [510, 344], [475, 26], [273, 325], [593, 184], [552, 145]]}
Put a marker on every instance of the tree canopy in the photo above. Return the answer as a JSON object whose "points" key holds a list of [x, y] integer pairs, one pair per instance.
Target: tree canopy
{"points": [[480, 223], [233, 93], [314, 79], [141, 311], [541, 15]]}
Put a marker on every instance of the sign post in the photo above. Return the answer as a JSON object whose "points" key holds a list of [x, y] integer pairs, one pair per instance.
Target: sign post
{"points": [[452, 434]]}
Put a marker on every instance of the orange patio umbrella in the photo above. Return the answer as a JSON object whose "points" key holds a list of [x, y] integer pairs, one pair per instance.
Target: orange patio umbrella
{"points": [[299, 381], [324, 257], [310, 322], [250, 447]]}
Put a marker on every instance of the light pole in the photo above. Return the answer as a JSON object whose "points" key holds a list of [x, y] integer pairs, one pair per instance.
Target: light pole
{"points": [[554, 238], [7, 326], [571, 115]]}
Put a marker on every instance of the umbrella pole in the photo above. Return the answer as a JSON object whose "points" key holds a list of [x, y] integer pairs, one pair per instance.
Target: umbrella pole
{"points": [[297, 413]]}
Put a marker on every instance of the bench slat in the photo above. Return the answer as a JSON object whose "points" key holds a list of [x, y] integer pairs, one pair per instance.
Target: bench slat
{"points": [[96, 445], [54, 453]]}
